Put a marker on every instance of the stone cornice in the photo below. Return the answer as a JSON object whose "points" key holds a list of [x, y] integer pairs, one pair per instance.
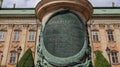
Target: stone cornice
{"points": [[83, 7], [105, 16], [17, 16]]}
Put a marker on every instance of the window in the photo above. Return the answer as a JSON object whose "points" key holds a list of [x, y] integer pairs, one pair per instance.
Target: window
{"points": [[2, 35], [110, 35], [31, 36], [95, 36], [114, 57], [16, 35], [13, 57]]}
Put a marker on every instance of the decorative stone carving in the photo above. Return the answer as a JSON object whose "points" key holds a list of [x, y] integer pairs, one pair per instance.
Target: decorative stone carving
{"points": [[116, 26], [25, 25], [11, 25], [102, 26], [32, 27], [1, 45], [3, 26], [17, 27]]}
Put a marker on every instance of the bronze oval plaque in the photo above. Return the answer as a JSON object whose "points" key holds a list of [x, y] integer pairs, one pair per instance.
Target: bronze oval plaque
{"points": [[64, 35]]}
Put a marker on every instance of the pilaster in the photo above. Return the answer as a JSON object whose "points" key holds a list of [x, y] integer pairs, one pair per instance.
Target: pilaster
{"points": [[91, 43], [37, 41], [24, 32], [7, 44], [103, 40], [117, 33]]}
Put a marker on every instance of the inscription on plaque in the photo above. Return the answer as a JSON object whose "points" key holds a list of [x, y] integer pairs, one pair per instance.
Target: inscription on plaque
{"points": [[64, 35]]}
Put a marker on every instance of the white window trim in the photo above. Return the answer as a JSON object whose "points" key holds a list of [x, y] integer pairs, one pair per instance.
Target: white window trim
{"points": [[110, 35], [13, 56], [31, 35], [115, 57], [95, 33], [16, 35], [2, 34]]}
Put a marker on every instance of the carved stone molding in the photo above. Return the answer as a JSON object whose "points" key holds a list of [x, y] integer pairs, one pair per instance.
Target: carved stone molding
{"points": [[30, 46], [14, 46], [2, 45], [25, 25], [11, 25], [17, 26], [116, 26], [83, 7], [101, 26]]}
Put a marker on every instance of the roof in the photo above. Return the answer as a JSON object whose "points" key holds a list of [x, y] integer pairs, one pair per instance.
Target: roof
{"points": [[21, 11], [29, 11], [107, 11]]}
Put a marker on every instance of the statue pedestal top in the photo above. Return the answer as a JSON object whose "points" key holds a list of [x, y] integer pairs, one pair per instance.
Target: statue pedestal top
{"points": [[82, 7]]}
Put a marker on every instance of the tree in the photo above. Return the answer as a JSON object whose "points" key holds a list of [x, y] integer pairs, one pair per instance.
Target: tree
{"points": [[26, 60], [100, 61]]}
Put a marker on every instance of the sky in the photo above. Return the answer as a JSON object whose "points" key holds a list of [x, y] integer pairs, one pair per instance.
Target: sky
{"points": [[33, 3]]}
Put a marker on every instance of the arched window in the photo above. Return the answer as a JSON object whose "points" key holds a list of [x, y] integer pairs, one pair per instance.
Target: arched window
{"points": [[13, 56], [114, 57]]}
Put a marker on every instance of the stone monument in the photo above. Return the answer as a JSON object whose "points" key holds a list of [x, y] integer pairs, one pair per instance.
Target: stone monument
{"points": [[63, 39]]}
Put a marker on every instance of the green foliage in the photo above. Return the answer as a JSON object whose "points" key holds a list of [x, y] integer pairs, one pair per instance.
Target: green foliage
{"points": [[100, 61], [26, 60]]}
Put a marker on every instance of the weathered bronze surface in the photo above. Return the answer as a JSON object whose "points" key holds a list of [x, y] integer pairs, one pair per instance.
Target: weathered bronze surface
{"points": [[63, 39], [64, 35]]}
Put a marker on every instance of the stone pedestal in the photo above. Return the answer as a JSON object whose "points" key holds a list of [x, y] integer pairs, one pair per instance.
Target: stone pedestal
{"points": [[63, 38]]}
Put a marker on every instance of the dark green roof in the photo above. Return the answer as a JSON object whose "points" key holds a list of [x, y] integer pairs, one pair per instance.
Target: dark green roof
{"points": [[106, 10]]}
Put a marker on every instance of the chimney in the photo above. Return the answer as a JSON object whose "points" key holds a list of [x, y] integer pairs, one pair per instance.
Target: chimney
{"points": [[14, 5], [113, 4], [1, 3]]}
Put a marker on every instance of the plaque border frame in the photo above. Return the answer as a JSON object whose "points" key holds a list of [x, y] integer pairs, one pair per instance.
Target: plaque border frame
{"points": [[58, 61]]}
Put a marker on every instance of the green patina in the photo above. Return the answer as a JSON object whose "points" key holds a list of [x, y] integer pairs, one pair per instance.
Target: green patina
{"points": [[32, 11], [17, 11], [64, 21], [107, 11]]}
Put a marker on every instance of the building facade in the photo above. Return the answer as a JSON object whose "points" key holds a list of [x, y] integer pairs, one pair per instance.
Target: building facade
{"points": [[21, 28], [104, 34]]}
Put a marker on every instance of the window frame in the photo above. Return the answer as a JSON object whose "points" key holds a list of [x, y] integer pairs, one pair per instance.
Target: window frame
{"points": [[110, 35], [95, 36], [16, 36], [13, 57], [2, 35], [114, 56], [31, 36]]}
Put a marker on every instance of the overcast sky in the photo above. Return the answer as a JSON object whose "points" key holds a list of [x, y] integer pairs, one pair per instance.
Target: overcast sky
{"points": [[32, 3]]}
